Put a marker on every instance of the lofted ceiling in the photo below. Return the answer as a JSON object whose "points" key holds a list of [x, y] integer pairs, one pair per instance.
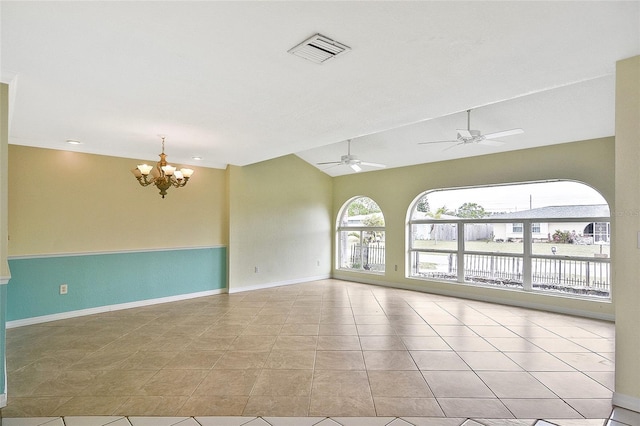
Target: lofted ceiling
{"points": [[216, 77]]}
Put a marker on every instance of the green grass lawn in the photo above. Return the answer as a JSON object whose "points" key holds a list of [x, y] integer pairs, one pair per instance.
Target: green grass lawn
{"points": [[517, 248]]}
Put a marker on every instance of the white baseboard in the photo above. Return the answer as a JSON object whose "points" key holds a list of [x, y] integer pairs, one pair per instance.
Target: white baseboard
{"points": [[110, 308], [277, 284], [627, 402], [482, 298]]}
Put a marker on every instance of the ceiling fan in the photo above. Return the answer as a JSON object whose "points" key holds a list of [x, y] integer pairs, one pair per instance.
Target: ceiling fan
{"points": [[352, 161], [468, 136]]}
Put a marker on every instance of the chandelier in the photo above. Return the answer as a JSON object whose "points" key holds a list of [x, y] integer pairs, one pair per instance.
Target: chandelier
{"points": [[163, 175]]}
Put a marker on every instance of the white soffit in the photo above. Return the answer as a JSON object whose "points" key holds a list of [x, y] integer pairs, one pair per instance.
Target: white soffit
{"points": [[319, 49]]}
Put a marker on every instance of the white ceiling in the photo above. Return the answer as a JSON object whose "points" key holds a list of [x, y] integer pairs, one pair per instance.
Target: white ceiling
{"points": [[215, 77]]}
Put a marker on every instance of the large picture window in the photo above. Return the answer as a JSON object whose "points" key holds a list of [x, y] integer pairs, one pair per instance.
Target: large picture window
{"points": [[544, 236], [361, 239]]}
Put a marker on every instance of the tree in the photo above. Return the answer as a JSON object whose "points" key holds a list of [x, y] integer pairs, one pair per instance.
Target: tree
{"points": [[373, 220], [471, 210], [442, 211], [423, 205], [363, 206]]}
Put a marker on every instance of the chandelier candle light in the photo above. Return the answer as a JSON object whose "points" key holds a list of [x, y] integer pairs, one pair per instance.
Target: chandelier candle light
{"points": [[163, 175]]}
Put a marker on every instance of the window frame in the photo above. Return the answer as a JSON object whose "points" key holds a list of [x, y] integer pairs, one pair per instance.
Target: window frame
{"points": [[526, 257], [361, 230]]}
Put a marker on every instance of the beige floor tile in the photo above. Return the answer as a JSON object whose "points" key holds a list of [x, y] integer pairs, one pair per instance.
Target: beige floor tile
{"points": [[456, 384], [34, 407], [262, 330], [211, 342], [399, 384], [173, 382], [296, 343], [371, 319], [273, 405], [513, 344], [541, 408], [492, 331], [90, 405], [291, 360], [381, 343], [332, 383], [400, 407], [337, 329], [339, 360], [605, 378], [591, 408], [538, 361], [474, 408], [151, 406], [338, 343], [438, 360], [469, 344], [586, 361], [554, 345], [283, 383], [508, 384], [335, 406], [253, 343], [300, 330], [452, 330], [228, 405], [66, 383], [119, 382], [572, 385], [414, 330], [148, 360], [425, 343], [494, 361], [241, 360], [375, 329], [194, 360], [228, 382], [389, 360]]}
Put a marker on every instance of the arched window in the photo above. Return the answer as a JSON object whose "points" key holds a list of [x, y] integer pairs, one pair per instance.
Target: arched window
{"points": [[543, 236], [361, 236]]}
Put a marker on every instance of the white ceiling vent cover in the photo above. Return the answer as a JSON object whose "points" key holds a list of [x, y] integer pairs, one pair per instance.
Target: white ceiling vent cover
{"points": [[319, 49]]}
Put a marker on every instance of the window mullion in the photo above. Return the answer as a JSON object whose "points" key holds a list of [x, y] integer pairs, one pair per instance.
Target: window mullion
{"points": [[460, 256], [526, 257]]}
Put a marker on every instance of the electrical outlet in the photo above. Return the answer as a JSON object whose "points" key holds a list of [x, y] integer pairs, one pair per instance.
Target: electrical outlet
{"points": [[63, 289], [256, 270], [396, 268], [317, 263]]}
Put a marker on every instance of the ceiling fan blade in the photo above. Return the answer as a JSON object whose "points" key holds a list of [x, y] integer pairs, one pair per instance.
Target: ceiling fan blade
{"points": [[504, 133], [491, 142], [453, 146], [363, 163], [426, 143], [329, 162], [355, 167]]}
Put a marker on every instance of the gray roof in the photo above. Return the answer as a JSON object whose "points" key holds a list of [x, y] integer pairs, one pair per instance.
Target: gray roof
{"points": [[589, 210]]}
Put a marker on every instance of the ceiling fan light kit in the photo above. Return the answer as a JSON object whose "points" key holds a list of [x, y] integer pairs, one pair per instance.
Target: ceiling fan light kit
{"points": [[163, 175], [352, 161]]}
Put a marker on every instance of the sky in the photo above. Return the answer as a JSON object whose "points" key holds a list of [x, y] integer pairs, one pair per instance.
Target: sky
{"points": [[511, 198]]}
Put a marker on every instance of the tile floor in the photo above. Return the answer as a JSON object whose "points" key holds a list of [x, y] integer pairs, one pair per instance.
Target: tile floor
{"points": [[323, 349]]}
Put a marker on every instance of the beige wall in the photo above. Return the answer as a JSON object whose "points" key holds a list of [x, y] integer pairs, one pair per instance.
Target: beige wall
{"points": [[394, 190], [280, 222], [4, 159], [68, 202], [626, 253]]}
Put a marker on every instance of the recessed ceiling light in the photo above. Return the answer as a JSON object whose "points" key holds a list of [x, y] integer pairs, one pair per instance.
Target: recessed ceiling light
{"points": [[197, 158], [74, 142]]}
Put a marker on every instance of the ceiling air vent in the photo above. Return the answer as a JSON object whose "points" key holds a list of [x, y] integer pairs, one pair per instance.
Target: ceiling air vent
{"points": [[319, 49]]}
